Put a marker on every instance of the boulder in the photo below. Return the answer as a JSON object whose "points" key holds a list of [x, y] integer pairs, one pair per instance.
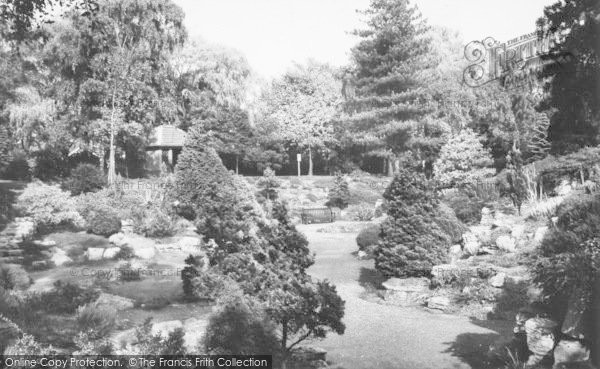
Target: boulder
{"points": [[45, 243], [117, 239], [194, 331], [114, 301], [164, 328], [444, 274], [570, 351], [540, 233], [406, 284], [143, 248], [189, 244], [518, 231], [471, 244], [482, 233], [405, 292], [362, 255], [59, 257], [506, 243], [487, 217], [94, 253], [455, 250], [111, 252], [540, 338], [498, 280], [563, 189], [439, 303]]}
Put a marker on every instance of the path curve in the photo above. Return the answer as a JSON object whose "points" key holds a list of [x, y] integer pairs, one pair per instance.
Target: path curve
{"points": [[383, 336]]}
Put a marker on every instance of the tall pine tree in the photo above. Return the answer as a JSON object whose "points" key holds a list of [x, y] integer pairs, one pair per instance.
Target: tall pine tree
{"points": [[388, 101]]}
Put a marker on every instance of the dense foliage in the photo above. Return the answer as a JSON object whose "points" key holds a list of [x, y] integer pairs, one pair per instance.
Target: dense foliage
{"points": [[85, 178], [411, 240], [339, 194], [48, 206], [568, 260], [103, 221], [463, 160]]}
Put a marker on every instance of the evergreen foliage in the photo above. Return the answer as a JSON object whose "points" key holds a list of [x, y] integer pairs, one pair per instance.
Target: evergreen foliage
{"points": [[339, 195], [463, 160], [411, 240], [387, 103], [85, 178]]}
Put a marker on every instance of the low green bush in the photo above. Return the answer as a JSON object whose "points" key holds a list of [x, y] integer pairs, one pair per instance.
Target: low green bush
{"points": [[50, 164], [369, 236], [13, 277], [339, 195], [85, 178], [569, 255], [449, 223], [64, 298], [48, 206], [129, 274], [153, 222], [466, 208], [103, 221], [364, 213], [96, 321], [237, 329]]}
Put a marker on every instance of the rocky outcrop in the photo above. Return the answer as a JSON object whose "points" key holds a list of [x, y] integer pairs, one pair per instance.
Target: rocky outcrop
{"points": [[114, 301], [498, 280], [471, 244], [439, 303], [570, 351], [405, 292], [540, 338], [506, 243]]}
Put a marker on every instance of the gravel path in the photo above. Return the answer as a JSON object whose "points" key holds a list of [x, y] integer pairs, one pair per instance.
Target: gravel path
{"points": [[386, 337]]}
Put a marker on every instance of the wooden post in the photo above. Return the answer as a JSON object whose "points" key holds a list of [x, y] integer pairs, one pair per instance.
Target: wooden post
{"points": [[595, 309]]}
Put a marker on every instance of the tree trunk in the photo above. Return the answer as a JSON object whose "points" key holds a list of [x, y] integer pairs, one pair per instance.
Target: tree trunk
{"points": [[595, 349], [237, 164], [284, 347], [111, 158], [310, 162], [390, 168]]}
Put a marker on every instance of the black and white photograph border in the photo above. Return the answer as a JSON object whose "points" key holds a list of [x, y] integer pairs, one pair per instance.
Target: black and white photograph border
{"points": [[291, 184]]}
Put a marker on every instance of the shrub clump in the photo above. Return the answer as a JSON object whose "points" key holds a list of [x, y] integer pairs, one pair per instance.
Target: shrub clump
{"points": [[466, 205], [237, 329], [447, 220], [339, 195], [48, 206], [153, 222], [13, 277], [96, 321], [463, 160], [221, 203], [569, 257], [103, 221], [411, 240], [368, 237], [85, 178], [63, 299]]}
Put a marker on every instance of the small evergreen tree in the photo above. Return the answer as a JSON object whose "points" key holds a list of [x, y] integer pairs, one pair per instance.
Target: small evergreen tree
{"points": [[189, 272], [268, 183], [463, 160], [339, 195], [516, 178], [411, 241]]}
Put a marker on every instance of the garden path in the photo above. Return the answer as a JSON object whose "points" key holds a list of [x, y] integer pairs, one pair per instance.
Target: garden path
{"points": [[389, 337]]}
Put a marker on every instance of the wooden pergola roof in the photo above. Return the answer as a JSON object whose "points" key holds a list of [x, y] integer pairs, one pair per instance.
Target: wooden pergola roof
{"points": [[166, 137]]}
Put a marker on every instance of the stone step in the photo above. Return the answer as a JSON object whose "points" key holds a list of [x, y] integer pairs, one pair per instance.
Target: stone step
{"points": [[12, 259], [13, 252]]}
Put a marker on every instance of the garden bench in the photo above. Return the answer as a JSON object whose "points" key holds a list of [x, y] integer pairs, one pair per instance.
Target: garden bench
{"points": [[317, 215]]}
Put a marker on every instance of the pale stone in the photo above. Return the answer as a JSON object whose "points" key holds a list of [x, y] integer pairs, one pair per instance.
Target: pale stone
{"points": [[111, 252], [60, 257], [165, 328], [406, 284], [142, 247], [506, 243], [114, 301], [123, 339], [518, 231], [194, 331], [439, 302], [540, 233], [563, 189], [498, 280], [540, 338], [471, 244], [117, 239], [456, 249], [94, 253], [361, 254], [570, 352]]}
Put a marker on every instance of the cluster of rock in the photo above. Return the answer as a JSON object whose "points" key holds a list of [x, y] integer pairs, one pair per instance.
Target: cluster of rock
{"points": [[498, 231], [546, 340], [19, 230]]}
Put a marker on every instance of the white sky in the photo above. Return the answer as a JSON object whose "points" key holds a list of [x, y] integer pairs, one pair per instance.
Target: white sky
{"points": [[275, 33]]}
